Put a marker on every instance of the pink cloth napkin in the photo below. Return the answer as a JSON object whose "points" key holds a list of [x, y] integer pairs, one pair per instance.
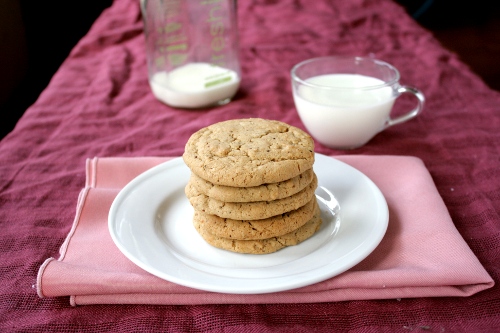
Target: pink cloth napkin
{"points": [[421, 255]]}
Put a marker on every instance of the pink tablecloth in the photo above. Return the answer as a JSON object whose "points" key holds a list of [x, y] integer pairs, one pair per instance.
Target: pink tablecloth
{"points": [[99, 104]]}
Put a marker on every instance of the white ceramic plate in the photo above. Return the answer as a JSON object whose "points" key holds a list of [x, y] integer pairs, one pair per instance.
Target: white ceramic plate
{"points": [[150, 221]]}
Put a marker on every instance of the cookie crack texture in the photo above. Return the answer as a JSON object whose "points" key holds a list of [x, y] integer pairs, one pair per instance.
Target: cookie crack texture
{"points": [[226, 153]]}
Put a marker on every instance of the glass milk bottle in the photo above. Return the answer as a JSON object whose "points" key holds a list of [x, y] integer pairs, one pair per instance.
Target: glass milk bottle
{"points": [[192, 51]]}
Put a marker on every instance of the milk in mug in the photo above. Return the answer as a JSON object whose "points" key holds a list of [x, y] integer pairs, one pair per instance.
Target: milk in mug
{"points": [[195, 85], [343, 116]]}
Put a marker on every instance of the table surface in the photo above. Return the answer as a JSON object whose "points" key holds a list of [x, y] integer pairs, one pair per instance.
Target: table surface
{"points": [[99, 104]]}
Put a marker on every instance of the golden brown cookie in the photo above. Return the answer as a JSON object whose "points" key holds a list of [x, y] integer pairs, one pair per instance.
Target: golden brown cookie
{"points": [[256, 229], [250, 210], [264, 246], [249, 152], [265, 192]]}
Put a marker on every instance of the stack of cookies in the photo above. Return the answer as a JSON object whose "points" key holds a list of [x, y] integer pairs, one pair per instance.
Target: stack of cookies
{"points": [[252, 185]]}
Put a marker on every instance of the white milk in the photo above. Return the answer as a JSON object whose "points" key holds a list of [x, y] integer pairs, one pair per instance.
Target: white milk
{"points": [[195, 85], [344, 118]]}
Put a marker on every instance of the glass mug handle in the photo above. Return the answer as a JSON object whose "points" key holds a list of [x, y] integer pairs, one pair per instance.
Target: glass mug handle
{"points": [[413, 113]]}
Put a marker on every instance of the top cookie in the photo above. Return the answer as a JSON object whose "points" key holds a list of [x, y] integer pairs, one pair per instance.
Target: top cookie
{"points": [[249, 152]]}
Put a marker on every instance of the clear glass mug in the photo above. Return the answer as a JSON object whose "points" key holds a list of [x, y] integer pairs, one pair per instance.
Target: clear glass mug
{"points": [[345, 101], [192, 51]]}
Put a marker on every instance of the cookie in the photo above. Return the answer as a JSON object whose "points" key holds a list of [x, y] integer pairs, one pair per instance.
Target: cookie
{"points": [[256, 229], [250, 210], [264, 246], [249, 152], [265, 192]]}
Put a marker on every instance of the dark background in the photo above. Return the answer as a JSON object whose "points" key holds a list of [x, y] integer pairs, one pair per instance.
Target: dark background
{"points": [[36, 37]]}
